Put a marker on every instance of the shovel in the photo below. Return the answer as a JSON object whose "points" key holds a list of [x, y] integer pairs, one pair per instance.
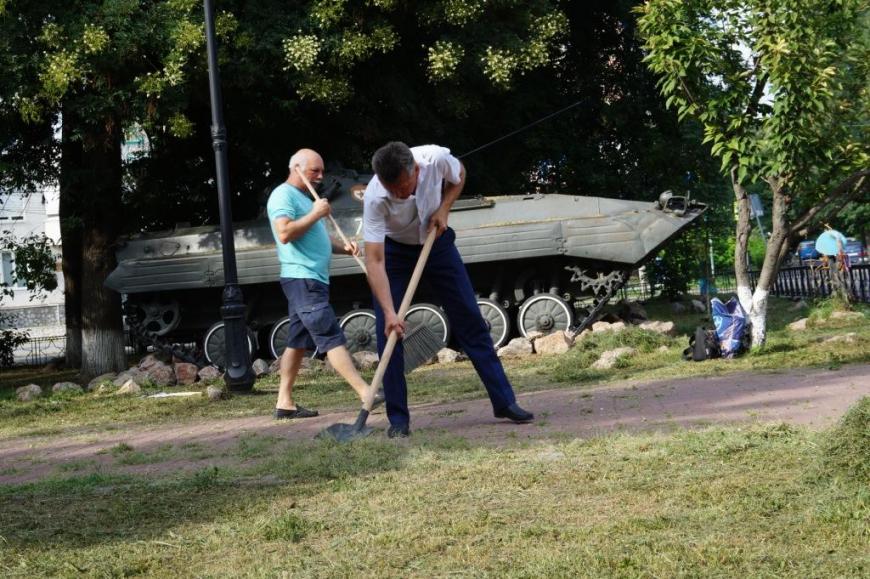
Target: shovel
{"points": [[346, 432]]}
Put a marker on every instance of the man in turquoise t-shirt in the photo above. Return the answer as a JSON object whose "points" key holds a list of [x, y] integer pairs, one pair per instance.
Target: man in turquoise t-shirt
{"points": [[304, 250]]}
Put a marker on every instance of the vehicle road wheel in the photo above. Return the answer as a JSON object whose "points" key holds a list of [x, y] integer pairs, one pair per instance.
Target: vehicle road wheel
{"points": [[544, 313], [432, 316], [497, 321], [159, 316], [214, 344], [360, 330]]}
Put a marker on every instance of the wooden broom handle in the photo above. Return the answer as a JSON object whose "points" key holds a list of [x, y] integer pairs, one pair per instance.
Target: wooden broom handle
{"points": [[331, 218], [403, 309]]}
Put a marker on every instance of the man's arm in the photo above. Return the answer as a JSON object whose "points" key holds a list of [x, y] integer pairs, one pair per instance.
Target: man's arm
{"points": [[289, 230], [338, 246], [380, 284], [449, 195]]}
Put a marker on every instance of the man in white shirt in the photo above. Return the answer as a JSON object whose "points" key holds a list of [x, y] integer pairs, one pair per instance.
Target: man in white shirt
{"points": [[412, 192]]}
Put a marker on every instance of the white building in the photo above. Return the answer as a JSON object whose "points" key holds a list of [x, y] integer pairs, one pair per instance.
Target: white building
{"points": [[23, 214]]}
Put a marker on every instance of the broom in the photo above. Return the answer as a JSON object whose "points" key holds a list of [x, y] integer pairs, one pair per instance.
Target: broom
{"points": [[422, 342]]}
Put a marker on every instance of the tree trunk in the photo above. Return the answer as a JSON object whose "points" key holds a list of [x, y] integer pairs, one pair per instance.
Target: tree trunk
{"points": [[744, 228], [102, 331], [770, 267], [71, 240]]}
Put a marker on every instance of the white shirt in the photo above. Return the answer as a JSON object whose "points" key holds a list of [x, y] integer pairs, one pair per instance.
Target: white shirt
{"points": [[406, 220]]}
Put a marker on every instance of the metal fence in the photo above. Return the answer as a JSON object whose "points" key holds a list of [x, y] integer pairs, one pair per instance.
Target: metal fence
{"points": [[812, 281], [38, 351], [806, 281], [42, 350]]}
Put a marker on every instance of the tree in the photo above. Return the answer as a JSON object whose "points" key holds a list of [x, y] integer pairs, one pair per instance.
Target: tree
{"points": [[98, 67], [780, 89]]}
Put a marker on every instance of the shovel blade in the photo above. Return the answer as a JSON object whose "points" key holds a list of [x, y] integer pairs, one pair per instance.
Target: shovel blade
{"points": [[345, 432]]}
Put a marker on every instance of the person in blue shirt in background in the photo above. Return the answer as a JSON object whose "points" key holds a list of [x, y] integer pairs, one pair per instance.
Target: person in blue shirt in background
{"points": [[304, 250]]}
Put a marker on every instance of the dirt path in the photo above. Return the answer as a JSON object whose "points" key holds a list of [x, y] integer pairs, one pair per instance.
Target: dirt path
{"points": [[816, 398]]}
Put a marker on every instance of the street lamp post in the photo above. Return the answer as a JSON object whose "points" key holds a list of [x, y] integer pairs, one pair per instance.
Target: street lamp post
{"points": [[239, 375]]}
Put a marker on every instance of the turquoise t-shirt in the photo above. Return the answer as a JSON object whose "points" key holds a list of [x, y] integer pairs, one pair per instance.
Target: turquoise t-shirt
{"points": [[307, 257]]}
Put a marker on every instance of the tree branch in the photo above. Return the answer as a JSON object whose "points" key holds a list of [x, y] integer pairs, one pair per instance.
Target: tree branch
{"points": [[847, 190]]}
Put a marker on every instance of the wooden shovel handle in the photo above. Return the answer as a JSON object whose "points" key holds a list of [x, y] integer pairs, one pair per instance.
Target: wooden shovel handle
{"points": [[331, 218], [403, 309]]}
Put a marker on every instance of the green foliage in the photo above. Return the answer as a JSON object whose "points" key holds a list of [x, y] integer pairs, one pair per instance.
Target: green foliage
{"points": [[847, 449], [771, 83], [34, 265]]}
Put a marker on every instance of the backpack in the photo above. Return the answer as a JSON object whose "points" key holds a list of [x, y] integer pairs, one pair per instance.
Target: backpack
{"points": [[704, 345]]}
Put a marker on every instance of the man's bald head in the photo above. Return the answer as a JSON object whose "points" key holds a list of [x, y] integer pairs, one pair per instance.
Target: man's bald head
{"points": [[310, 163]]}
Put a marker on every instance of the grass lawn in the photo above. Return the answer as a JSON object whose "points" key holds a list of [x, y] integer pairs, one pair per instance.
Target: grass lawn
{"points": [[758, 501], [766, 501]]}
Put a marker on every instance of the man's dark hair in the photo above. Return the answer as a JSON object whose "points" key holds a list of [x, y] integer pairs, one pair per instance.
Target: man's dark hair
{"points": [[392, 160]]}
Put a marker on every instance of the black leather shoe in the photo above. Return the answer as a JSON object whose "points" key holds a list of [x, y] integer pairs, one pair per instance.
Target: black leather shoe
{"points": [[399, 431], [515, 413], [298, 412]]}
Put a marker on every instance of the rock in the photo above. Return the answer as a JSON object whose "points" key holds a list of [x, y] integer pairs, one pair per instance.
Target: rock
{"points": [[666, 328], [260, 367], [799, 325], [185, 373], [585, 333], [129, 388], [447, 356], [662, 349], [365, 360], [108, 377], [516, 348], [67, 387], [105, 388], [214, 393], [609, 358], [555, 343], [28, 393], [698, 306], [799, 305], [275, 366], [632, 312], [209, 373], [314, 365], [534, 335], [131, 374], [608, 327], [610, 318], [851, 316], [148, 361], [849, 338], [161, 375], [678, 308]]}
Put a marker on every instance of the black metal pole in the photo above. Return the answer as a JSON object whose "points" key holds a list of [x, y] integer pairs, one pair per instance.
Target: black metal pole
{"points": [[239, 376]]}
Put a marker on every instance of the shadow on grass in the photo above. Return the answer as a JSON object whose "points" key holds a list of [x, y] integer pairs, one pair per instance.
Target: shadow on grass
{"points": [[100, 508]]}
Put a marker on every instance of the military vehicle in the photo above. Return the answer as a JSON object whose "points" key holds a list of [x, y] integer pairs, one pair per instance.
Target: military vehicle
{"points": [[539, 263]]}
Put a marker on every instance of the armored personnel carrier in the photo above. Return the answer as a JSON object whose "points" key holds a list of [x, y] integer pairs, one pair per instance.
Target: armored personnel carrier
{"points": [[539, 263]]}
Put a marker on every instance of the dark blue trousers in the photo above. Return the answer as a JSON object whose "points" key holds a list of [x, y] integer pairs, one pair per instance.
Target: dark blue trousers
{"points": [[447, 277]]}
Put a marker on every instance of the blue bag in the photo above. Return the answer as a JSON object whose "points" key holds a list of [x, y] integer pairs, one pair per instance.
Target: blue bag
{"points": [[730, 321]]}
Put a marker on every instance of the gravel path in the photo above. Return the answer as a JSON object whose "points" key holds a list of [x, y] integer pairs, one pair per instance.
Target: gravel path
{"points": [[814, 398]]}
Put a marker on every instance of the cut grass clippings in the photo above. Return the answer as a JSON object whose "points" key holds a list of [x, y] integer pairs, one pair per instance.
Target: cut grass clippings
{"points": [[718, 502]]}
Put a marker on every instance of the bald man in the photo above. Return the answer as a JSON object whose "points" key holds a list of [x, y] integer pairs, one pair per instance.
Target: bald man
{"points": [[304, 250]]}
